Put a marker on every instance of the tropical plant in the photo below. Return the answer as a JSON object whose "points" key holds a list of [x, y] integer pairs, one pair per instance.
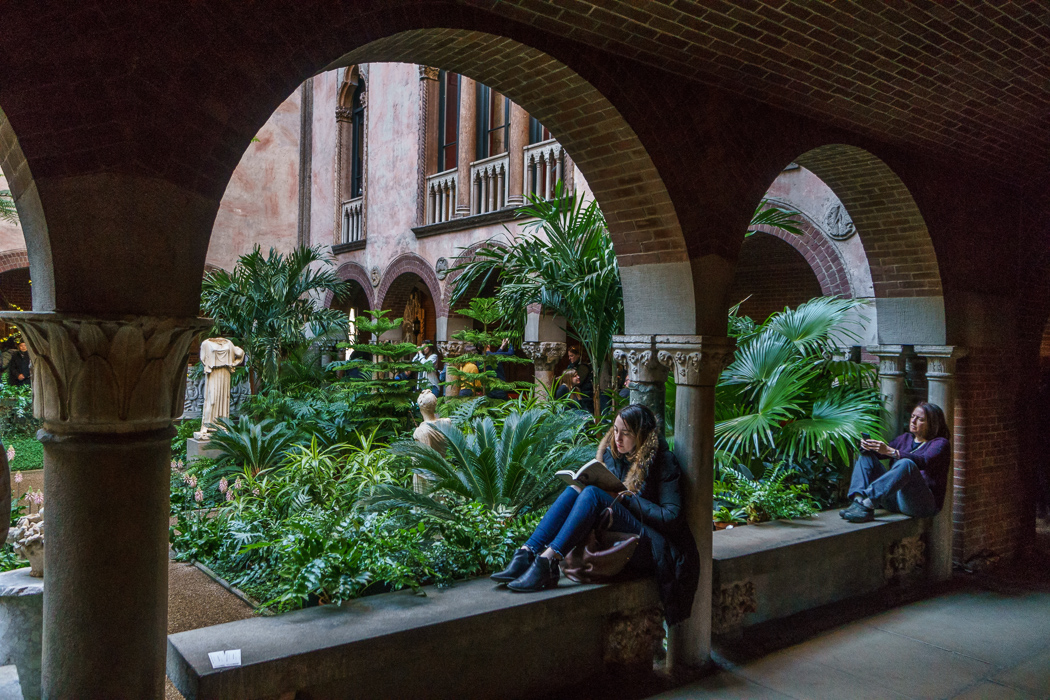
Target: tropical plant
{"points": [[265, 305], [769, 214], [8, 212], [768, 498], [252, 446], [381, 376], [785, 396], [494, 329], [509, 470]]}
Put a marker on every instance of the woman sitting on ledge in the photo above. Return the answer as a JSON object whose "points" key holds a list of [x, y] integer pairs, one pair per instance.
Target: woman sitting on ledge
{"points": [[652, 505], [918, 475]]}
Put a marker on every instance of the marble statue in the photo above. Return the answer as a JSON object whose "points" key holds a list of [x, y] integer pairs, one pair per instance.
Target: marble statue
{"points": [[427, 432], [219, 356]]}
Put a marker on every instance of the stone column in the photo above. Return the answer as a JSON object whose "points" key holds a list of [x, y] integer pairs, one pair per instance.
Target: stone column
{"points": [[107, 390], [545, 356], [647, 375], [697, 361], [517, 140], [891, 385], [450, 349], [940, 374], [467, 146]]}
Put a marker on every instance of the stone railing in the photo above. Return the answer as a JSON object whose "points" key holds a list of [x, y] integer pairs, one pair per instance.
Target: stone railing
{"points": [[544, 166], [488, 178], [441, 196], [353, 220]]}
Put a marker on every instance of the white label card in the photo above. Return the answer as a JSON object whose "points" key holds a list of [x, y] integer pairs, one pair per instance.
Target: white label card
{"points": [[224, 659]]}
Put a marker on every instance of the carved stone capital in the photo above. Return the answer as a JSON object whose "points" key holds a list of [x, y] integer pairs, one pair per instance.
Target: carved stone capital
{"points": [[940, 359], [106, 375], [891, 359], [343, 114], [696, 360], [453, 348], [428, 73], [638, 354], [544, 354]]}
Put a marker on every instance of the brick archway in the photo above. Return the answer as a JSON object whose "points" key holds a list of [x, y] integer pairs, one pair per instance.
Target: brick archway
{"points": [[13, 259], [414, 264], [821, 255], [352, 271]]}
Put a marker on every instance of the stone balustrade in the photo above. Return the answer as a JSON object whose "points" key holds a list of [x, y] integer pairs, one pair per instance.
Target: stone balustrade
{"points": [[488, 179], [441, 196]]}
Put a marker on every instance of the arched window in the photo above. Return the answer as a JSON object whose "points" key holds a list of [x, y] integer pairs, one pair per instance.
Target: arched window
{"points": [[448, 120], [493, 124], [357, 141]]}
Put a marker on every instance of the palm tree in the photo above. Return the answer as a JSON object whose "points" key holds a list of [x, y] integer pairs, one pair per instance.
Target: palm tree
{"points": [[784, 396], [265, 304], [509, 469]]}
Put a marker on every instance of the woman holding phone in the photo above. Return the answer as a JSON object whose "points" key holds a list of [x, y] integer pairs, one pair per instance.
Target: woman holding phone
{"points": [[917, 477]]}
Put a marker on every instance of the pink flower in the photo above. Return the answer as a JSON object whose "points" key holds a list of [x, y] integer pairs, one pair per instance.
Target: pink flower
{"points": [[223, 485], [174, 465], [237, 484], [192, 482], [256, 491], [18, 477], [181, 465], [10, 453], [36, 497], [229, 495], [198, 496]]}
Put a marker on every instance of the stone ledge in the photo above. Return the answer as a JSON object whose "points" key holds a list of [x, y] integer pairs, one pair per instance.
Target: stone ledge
{"points": [[775, 569], [340, 248], [473, 640], [467, 222]]}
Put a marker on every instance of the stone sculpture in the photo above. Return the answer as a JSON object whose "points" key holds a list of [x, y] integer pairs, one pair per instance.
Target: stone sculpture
{"points": [[219, 356], [28, 539], [427, 432]]}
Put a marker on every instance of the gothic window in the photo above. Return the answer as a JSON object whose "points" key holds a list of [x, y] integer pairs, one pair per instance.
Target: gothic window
{"points": [[357, 141], [448, 120], [493, 123]]}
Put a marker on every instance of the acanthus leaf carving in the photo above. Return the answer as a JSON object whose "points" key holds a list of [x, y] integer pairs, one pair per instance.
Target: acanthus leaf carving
{"points": [[106, 375], [544, 354]]}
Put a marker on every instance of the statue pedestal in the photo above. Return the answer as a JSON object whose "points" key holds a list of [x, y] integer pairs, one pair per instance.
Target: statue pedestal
{"points": [[200, 448], [22, 620]]}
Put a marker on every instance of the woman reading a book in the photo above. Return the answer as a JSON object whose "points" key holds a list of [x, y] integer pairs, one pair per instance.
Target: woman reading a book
{"points": [[637, 455]]}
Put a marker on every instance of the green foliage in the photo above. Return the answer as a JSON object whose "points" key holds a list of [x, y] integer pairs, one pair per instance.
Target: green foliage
{"points": [[266, 306], [769, 214], [495, 329], [16, 409], [29, 453], [184, 430], [508, 469], [769, 498], [8, 212], [785, 397], [254, 446], [381, 376]]}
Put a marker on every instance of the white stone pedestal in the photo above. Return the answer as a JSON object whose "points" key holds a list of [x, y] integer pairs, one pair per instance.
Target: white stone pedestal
{"points": [[21, 626], [200, 448]]}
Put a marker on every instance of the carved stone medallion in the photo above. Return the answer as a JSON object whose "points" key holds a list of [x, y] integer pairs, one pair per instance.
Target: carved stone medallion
{"points": [[838, 224], [375, 276], [441, 268]]}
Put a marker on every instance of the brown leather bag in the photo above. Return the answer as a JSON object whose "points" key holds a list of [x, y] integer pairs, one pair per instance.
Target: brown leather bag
{"points": [[603, 553]]}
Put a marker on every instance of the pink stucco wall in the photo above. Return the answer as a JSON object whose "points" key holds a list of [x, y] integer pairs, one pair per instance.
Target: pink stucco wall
{"points": [[323, 213], [261, 202], [11, 237]]}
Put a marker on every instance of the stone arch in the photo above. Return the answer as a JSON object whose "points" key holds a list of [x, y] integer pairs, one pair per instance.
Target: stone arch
{"points": [[642, 221], [401, 289], [909, 301], [410, 263], [352, 271], [823, 258]]}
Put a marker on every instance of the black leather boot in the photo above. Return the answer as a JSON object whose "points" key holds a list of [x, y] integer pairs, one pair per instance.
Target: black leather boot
{"points": [[543, 573], [519, 564]]}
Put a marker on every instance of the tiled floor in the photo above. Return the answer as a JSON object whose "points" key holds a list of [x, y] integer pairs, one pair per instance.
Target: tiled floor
{"points": [[972, 643]]}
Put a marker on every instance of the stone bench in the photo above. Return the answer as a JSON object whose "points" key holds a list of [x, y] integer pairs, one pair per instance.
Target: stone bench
{"points": [[771, 570], [472, 640]]}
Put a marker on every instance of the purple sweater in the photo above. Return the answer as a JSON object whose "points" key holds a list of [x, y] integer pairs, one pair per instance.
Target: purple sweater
{"points": [[933, 458]]}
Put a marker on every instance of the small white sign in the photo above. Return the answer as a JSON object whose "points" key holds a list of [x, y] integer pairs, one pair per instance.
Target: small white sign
{"points": [[224, 659]]}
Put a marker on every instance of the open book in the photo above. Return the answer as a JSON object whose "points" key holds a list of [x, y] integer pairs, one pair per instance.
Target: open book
{"points": [[594, 473]]}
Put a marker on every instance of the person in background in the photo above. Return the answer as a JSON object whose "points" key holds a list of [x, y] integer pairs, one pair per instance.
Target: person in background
{"points": [[18, 368], [505, 349], [428, 379], [580, 382]]}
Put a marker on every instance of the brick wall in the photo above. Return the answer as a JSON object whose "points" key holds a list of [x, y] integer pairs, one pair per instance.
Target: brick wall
{"points": [[774, 275], [989, 487], [15, 289]]}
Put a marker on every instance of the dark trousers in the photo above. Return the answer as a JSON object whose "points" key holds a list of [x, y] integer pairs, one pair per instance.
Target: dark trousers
{"points": [[573, 516], [900, 489]]}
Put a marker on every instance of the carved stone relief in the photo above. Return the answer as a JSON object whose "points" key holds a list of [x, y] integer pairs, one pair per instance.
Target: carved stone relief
{"points": [[193, 406], [838, 224], [376, 277], [441, 268], [545, 355]]}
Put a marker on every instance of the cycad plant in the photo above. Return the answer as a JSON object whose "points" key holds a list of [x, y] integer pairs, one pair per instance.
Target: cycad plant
{"points": [[266, 305], [508, 469], [786, 397]]}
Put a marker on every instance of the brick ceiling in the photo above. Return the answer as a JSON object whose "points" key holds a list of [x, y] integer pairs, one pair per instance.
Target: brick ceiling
{"points": [[971, 78]]}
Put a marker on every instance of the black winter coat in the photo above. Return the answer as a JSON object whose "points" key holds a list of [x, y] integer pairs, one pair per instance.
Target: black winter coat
{"points": [[658, 506]]}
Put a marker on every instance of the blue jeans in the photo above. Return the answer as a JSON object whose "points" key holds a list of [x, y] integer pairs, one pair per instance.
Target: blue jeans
{"points": [[901, 489], [573, 516]]}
